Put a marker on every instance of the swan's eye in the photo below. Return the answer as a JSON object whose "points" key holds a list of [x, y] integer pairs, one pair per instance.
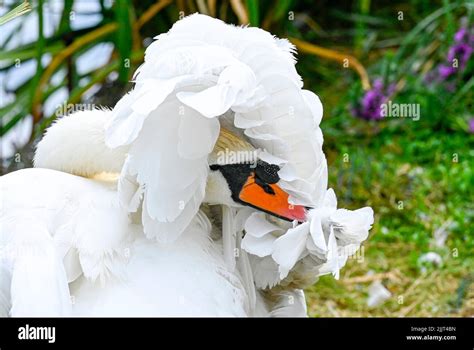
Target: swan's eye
{"points": [[266, 187], [268, 173]]}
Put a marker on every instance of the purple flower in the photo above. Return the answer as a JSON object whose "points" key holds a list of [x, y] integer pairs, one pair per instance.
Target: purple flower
{"points": [[461, 35], [445, 71], [461, 51], [370, 106], [471, 125], [464, 35]]}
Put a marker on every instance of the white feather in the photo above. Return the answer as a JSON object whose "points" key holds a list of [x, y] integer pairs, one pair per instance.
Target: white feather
{"points": [[174, 181], [229, 236], [291, 303], [76, 144]]}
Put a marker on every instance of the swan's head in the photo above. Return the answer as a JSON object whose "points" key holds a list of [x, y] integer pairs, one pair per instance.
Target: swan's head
{"points": [[238, 178]]}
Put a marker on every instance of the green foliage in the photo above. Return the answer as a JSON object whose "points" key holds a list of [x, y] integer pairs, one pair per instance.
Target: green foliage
{"points": [[254, 12], [124, 37], [417, 175]]}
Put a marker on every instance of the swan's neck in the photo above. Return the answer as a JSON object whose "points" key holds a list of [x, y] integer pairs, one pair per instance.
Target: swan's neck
{"points": [[217, 190]]}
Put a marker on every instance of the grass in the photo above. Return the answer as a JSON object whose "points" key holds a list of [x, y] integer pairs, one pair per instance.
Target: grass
{"points": [[436, 292], [416, 185]]}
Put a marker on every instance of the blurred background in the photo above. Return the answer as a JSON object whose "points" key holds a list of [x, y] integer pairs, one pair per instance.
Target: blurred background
{"points": [[416, 171]]}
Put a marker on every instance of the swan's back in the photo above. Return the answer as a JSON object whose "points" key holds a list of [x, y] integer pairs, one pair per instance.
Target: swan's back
{"points": [[46, 216], [186, 278], [72, 229]]}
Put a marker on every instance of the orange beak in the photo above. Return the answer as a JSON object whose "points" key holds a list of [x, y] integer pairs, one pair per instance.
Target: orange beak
{"points": [[275, 203]]}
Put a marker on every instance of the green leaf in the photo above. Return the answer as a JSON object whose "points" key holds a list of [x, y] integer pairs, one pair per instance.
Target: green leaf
{"points": [[253, 10], [14, 112], [65, 22], [20, 10], [281, 9], [27, 52], [123, 38], [449, 20], [361, 28], [413, 35]]}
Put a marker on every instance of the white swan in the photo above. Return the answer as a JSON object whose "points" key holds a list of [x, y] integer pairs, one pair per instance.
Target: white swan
{"points": [[73, 230], [215, 142]]}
